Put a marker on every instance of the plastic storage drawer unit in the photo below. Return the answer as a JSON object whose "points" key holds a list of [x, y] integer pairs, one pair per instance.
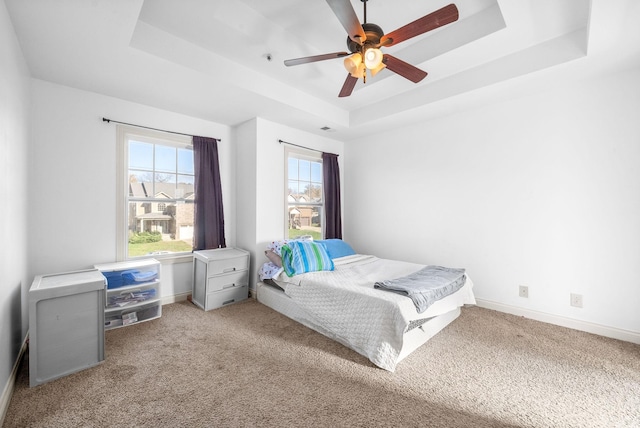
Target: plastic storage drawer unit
{"points": [[133, 292], [66, 324], [220, 277]]}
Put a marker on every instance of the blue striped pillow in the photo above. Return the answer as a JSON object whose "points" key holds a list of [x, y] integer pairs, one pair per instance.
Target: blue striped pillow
{"points": [[304, 256]]}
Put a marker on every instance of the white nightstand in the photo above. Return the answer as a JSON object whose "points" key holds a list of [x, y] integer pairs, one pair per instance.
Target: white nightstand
{"points": [[220, 277]]}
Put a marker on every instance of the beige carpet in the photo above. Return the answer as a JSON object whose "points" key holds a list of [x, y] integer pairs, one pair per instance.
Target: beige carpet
{"points": [[246, 365]]}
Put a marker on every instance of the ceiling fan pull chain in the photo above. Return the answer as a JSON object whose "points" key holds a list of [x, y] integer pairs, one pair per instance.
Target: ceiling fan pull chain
{"points": [[363, 50]]}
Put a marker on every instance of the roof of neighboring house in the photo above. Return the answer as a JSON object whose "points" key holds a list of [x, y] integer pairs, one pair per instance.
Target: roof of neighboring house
{"points": [[137, 190], [162, 190], [302, 199]]}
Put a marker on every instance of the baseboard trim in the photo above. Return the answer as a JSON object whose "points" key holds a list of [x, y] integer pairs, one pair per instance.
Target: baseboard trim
{"points": [[167, 300], [601, 330], [7, 393]]}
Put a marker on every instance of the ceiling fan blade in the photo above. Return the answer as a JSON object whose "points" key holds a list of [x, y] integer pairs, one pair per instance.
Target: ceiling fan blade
{"points": [[348, 18], [440, 17], [308, 59], [404, 69], [348, 86]]}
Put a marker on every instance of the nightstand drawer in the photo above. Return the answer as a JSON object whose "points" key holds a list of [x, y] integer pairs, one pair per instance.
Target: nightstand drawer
{"points": [[217, 267], [226, 297], [221, 282]]}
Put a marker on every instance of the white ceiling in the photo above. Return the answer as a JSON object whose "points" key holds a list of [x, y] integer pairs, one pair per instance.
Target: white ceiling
{"points": [[208, 58]]}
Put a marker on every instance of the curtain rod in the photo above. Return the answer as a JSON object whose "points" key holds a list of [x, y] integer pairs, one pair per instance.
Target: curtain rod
{"points": [[297, 145], [104, 119]]}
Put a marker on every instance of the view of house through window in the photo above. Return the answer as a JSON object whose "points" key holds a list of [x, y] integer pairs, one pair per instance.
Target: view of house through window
{"points": [[304, 195], [160, 200]]}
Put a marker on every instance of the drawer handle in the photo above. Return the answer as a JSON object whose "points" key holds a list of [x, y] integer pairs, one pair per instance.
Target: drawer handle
{"points": [[229, 269], [228, 286]]}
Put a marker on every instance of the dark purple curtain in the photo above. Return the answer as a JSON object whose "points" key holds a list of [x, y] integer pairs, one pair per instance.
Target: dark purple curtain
{"points": [[331, 178], [208, 212]]}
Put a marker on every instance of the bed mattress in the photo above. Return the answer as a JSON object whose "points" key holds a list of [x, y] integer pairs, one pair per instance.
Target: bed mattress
{"points": [[343, 304]]}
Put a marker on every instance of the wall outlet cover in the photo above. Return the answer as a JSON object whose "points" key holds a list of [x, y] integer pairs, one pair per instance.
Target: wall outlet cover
{"points": [[576, 300]]}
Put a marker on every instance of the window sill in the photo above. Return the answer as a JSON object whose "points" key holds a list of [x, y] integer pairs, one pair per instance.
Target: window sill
{"points": [[169, 259]]}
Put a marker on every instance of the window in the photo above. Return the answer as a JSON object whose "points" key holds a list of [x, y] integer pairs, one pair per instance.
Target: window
{"points": [[304, 208], [155, 194]]}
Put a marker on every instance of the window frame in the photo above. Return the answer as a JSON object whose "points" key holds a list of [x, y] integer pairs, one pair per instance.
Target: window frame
{"points": [[123, 134], [310, 155]]}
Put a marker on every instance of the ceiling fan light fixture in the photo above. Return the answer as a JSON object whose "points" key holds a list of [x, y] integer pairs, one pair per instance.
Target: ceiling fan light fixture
{"points": [[372, 58], [380, 66], [359, 72], [354, 65]]}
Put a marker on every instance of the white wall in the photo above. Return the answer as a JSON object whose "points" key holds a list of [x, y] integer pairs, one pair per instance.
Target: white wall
{"points": [[542, 191], [14, 135], [72, 214], [246, 135], [261, 186]]}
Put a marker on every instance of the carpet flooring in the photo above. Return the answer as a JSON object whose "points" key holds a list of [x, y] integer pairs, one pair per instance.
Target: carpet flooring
{"points": [[245, 365]]}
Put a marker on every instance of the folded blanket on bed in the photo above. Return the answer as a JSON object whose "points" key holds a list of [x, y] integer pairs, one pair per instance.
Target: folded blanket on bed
{"points": [[427, 285]]}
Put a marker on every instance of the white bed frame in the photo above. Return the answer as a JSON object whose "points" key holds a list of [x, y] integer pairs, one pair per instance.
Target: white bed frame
{"points": [[277, 300]]}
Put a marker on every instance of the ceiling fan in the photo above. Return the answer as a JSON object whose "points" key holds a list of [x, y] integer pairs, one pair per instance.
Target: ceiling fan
{"points": [[364, 43]]}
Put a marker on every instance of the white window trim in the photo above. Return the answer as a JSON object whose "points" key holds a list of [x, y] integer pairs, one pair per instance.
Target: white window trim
{"points": [[311, 155], [123, 133]]}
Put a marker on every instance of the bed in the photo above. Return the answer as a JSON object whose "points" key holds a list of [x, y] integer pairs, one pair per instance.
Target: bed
{"points": [[339, 300]]}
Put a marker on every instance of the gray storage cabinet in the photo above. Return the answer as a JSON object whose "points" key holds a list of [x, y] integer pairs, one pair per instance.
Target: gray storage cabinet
{"points": [[66, 324], [220, 277]]}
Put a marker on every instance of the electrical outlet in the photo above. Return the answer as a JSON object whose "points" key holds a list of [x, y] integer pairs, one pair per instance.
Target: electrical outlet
{"points": [[576, 300], [523, 291]]}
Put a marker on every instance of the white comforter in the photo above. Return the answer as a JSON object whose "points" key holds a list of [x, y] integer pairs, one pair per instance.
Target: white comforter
{"points": [[371, 322]]}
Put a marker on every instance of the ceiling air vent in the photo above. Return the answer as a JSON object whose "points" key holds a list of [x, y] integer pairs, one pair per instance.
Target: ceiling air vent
{"points": [[326, 128]]}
